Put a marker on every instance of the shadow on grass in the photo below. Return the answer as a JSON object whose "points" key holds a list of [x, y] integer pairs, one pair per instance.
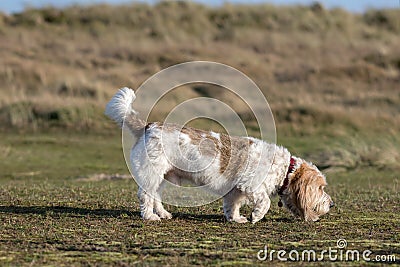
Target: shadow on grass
{"points": [[200, 217], [66, 210], [74, 211], [102, 212]]}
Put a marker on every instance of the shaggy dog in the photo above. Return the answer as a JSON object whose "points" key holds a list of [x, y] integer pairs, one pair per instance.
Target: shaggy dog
{"points": [[238, 168]]}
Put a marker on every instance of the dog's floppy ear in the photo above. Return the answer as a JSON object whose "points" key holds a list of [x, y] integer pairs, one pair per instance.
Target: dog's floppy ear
{"points": [[303, 191]]}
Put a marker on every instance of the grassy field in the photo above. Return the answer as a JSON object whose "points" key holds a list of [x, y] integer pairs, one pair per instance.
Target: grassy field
{"points": [[331, 78], [56, 209]]}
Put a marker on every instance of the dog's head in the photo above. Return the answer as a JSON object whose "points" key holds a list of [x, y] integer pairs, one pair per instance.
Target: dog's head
{"points": [[305, 196]]}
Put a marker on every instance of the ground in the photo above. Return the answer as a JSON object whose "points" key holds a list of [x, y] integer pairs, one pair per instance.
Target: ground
{"points": [[54, 211]]}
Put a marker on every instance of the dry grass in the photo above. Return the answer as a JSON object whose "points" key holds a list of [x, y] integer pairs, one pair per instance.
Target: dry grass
{"points": [[324, 72]]}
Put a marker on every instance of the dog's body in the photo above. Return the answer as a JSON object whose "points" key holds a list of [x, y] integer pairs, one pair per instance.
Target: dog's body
{"points": [[238, 168]]}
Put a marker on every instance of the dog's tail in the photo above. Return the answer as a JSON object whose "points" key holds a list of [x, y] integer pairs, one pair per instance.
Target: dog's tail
{"points": [[120, 110]]}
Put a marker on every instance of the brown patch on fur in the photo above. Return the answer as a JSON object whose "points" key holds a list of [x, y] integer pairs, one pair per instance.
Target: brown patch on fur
{"points": [[303, 186], [233, 151], [225, 148], [234, 155], [136, 125], [194, 134], [208, 145]]}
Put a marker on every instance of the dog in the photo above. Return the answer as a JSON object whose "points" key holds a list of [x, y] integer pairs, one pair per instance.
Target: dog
{"points": [[241, 169]]}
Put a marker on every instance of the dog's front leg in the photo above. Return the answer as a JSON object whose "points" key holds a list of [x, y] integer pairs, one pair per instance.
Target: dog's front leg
{"points": [[232, 203], [146, 206], [262, 204]]}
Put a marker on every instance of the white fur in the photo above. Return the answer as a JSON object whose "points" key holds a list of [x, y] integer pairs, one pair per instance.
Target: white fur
{"points": [[157, 154], [120, 105]]}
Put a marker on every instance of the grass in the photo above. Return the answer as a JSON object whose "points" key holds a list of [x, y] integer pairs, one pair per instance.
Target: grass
{"points": [[331, 78], [59, 66], [51, 216]]}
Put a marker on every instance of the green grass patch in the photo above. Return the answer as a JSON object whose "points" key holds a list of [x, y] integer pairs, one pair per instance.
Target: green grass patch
{"points": [[50, 216]]}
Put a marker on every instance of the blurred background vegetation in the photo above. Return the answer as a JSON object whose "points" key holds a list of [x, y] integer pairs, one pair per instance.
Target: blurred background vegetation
{"points": [[331, 77]]}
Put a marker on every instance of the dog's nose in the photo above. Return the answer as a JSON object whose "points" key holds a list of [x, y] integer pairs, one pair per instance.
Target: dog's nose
{"points": [[332, 204]]}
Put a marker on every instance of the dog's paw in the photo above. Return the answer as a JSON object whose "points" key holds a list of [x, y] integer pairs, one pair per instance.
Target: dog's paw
{"points": [[255, 218], [165, 215], [152, 217], [240, 219]]}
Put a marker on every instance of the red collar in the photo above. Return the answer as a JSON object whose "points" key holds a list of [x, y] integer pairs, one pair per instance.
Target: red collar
{"points": [[286, 181]]}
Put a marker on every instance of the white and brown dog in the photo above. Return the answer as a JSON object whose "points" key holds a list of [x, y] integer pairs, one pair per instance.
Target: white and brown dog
{"points": [[237, 168]]}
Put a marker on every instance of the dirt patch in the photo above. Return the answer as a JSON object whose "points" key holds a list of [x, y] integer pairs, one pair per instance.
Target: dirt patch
{"points": [[103, 176]]}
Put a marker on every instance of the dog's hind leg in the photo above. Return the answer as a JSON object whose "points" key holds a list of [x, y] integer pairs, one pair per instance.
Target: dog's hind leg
{"points": [[262, 204], [232, 202], [158, 206]]}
